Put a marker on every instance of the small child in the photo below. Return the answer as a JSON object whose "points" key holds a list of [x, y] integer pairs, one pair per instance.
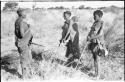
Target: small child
{"points": [[96, 33], [73, 28], [96, 38], [74, 39], [65, 27]]}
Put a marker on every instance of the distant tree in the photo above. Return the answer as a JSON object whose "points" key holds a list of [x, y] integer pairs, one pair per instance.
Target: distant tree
{"points": [[10, 6], [57, 7], [50, 8], [88, 8], [81, 7], [61, 7]]}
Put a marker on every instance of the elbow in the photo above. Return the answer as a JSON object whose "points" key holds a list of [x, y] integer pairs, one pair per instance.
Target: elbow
{"points": [[22, 35]]}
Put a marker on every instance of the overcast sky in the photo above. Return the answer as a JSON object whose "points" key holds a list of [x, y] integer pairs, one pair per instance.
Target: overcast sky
{"points": [[93, 4]]}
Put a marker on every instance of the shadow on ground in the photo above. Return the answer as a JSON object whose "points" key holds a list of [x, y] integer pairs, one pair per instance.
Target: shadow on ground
{"points": [[10, 61]]}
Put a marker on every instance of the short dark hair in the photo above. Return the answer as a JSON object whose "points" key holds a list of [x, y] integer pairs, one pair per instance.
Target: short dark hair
{"points": [[98, 12], [19, 11], [67, 12]]}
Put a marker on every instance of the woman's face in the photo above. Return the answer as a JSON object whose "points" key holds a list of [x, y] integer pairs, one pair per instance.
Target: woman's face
{"points": [[66, 16], [96, 17]]}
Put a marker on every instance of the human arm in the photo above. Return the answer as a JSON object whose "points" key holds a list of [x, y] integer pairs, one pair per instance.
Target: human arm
{"points": [[98, 32], [24, 28], [69, 30], [64, 31]]}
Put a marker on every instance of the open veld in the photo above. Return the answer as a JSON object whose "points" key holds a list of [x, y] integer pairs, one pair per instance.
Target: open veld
{"points": [[46, 27]]}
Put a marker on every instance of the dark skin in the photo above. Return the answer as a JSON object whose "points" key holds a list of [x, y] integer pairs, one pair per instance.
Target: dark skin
{"points": [[95, 63], [23, 36], [96, 18], [21, 16], [95, 53], [23, 24], [67, 18]]}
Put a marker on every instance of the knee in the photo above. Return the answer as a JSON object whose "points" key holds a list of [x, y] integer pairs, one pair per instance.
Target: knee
{"points": [[95, 57]]}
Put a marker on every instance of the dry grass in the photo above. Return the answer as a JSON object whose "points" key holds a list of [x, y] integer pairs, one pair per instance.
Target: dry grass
{"points": [[46, 27]]}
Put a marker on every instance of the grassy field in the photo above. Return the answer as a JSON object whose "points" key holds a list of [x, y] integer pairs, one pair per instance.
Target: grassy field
{"points": [[46, 28]]}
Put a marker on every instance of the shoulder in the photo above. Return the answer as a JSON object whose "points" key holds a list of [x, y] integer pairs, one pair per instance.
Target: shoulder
{"points": [[18, 21], [23, 21], [64, 25], [67, 22], [75, 26], [23, 24], [101, 22]]}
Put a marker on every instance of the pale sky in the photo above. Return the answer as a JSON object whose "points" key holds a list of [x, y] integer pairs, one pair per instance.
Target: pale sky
{"points": [[93, 4]]}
